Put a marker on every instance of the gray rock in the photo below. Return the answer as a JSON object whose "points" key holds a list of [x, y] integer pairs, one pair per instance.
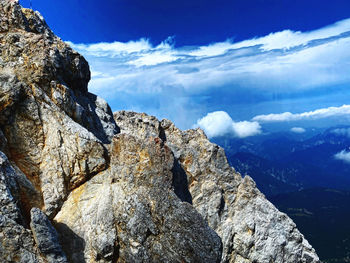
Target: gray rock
{"points": [[129, 213], [8, 185], [16, 243], [46, 237], [251, 228], [54, 128]]}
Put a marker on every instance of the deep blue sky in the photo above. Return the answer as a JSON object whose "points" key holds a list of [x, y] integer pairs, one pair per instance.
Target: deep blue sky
{"points": [[192, 22]]}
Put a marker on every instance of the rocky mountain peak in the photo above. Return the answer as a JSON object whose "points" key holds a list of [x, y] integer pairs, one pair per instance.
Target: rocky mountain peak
{"points": [[79, 184], [35, 54]]}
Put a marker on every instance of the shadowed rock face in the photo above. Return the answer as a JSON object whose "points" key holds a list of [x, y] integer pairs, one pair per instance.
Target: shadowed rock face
{"points": [[75, 189], [46, 237]]}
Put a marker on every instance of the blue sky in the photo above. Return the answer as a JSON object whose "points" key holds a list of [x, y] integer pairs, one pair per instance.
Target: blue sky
{"points": [[231, 67], [192, 22]]}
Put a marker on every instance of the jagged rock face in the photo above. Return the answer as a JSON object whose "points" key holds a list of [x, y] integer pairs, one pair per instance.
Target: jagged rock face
{"points": [[132, 206], [30, 48], [251, 228], [55, 129], [72, 189]]}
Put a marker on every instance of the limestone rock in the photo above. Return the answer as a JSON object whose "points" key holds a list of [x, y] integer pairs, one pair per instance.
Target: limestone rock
{"points": [[251, 228], [46, 237], [55, 130], [129, 213]]}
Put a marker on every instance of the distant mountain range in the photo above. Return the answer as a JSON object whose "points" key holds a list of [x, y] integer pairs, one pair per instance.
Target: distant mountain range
{"points": [[323, 216], [301, 176], [284, 162]]}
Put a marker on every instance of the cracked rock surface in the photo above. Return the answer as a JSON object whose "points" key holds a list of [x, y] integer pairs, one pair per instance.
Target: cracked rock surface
{"points": [[78, 184]]}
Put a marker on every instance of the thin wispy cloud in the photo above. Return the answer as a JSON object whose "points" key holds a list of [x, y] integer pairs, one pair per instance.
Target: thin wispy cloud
{"points": [[288, 39], [342, 131], [285, 65], [310, 115]]}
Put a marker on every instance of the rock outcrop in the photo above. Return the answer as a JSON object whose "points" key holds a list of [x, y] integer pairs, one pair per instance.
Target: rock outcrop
{"points": [[78, 184], [251, 228]]}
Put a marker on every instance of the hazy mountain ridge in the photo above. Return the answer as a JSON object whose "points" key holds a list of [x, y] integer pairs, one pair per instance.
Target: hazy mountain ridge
{"points": [[323, 215], [296, 163]]}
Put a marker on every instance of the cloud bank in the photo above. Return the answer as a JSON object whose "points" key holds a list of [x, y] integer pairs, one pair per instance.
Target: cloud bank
{"points": [[245, 79], [343, 156], [219, 123], [311, 115]]}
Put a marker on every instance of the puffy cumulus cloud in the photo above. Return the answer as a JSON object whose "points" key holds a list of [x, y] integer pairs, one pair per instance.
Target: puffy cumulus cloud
{"points": [[216, 124], [244, 129], [297, 130], [313, 115], [343, 156], [134, 74], [219, 123]]}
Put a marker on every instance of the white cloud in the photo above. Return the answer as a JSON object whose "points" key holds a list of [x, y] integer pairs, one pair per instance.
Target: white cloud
{"points": [[284, 40], [343, 156], [216, 124], [244, 129], [219, 123], [297, 130], [114, 48], [310, 115], [134, 73], [212, 50], [287, 39], [154, 58]]}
